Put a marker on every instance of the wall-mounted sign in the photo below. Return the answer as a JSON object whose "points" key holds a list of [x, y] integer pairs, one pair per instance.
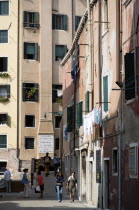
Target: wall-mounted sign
{"points": [[46, 143]]}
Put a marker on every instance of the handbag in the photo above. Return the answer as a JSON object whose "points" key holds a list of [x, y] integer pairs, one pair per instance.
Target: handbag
{"points": [[37, 189]]}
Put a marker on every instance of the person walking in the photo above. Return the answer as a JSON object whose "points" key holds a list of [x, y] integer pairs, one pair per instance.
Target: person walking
{"points": [[7, 179], [59, 186], [26, 183], [72, 186], [47, 160], [40, 181], [56, 164]]}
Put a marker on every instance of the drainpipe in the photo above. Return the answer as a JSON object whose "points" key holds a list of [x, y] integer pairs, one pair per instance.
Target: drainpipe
{"points": [[18, 47], [90, 67]]}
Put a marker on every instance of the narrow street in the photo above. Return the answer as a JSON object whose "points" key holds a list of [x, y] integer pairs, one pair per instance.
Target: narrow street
{"points": [[13, 201]]}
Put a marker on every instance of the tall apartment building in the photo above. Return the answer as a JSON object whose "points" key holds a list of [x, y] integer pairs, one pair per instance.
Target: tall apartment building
{"points": [[34, 37]]}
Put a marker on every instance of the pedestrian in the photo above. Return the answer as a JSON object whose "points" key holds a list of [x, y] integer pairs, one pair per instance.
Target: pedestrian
{"points": [[56, 164], [59, 186], [40, 181], [47, 161], [7, 179], [25, 182], [72, 186]]}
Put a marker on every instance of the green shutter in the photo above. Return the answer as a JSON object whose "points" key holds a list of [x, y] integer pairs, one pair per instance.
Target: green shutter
{"points": [[24, 91], [53, 21], [36, 19], [36, 51], [79, 114], [25, 48], [26, 24], [37, 91], [129, 76], [87, 102], [137, 68], [8, 91], [105, 93], [65, 22]]}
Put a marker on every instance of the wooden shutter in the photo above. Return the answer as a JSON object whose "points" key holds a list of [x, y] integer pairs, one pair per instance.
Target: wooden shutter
{"points": [[36, 19], [24, 91], [53, 21], [8, 91], [5, 64], [79, 114], [65, 22], [87, 102], [129, 76], [137, 69], [36, 51], [105, 93], [37, 91], [26, 24], [98, 166]]}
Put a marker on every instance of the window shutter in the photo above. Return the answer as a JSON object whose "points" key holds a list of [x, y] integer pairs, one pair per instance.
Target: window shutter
{"points": [[77, 21], [7, 119], [79, 114], [87, 101], [5, 64], [26, 24], [137, 69], [105, 93], [25, 49], [8, 91], [36, 19], [53, 21], [36, 51], [129, 76], [64, 50], [34, 121], [65, 22], [37, 91], [24, 91]]}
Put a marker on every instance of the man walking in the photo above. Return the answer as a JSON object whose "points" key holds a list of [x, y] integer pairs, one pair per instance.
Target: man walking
{"points": [[7, 178], [47, 160]]}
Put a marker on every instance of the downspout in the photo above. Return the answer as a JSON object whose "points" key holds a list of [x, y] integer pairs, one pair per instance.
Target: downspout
{"points": [[18, 47], [90, 67]]}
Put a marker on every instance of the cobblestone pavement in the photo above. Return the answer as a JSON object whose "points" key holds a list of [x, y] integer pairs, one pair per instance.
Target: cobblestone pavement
{"points": [[11, 201]]}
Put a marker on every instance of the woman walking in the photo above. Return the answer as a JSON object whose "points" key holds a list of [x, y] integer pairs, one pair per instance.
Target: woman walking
{"points": [[25, 182], [40, 183], [59, 186], [72, 186]]}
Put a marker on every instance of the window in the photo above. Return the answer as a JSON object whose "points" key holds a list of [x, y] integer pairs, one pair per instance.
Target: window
{"points": [[29, 143], [129, 76], [31, 51], [133, 160], [4, 7], [105, 93], [56, 93], [3, 165], [30, 92], [56, 143], [3, 119], [59, 22], [115, 161], [29, 121], [77, 21], [3, 141], [3, 36], [79, 114], [4, 91], [57, 121], [3, 64], [70, 118], [60, 52], [105, 14], [31, 19]]}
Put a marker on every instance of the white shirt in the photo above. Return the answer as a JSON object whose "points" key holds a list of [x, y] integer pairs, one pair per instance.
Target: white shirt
{"points": [[7, 175]]}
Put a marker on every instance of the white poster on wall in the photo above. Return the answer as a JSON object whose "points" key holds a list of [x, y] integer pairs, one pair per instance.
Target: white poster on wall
{"points": [[46, 143]]}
